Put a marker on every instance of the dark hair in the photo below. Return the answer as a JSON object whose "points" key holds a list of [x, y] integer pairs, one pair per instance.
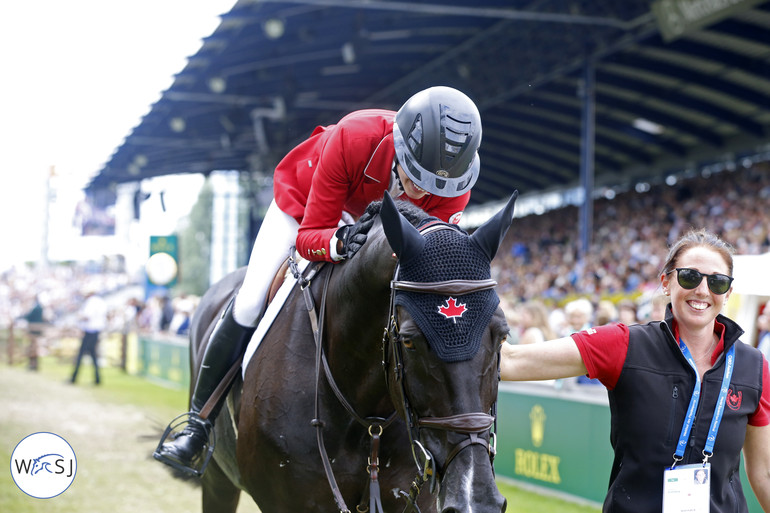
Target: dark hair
{"points": [[699, 238]]}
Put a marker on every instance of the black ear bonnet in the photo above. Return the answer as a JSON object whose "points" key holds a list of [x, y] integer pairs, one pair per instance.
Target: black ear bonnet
{"points": [[452, 324]]}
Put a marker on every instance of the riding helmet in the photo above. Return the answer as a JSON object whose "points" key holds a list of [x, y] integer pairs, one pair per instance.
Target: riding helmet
{"points": [[437, 134]]}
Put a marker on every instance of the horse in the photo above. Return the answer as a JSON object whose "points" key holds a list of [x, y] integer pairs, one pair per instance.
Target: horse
{"points": [[376, 384]]}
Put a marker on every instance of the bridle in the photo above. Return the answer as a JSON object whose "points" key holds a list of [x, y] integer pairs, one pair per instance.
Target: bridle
{"points": [[473, 424]]}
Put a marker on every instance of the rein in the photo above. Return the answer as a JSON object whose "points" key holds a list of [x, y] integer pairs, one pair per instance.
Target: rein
{"points": [[374, 425]]}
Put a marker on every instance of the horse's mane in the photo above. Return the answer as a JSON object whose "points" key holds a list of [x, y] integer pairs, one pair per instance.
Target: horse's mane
{"points": [[410, 211]]}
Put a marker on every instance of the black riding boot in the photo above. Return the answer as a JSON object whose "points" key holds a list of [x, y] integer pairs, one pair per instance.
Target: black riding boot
{"points": [[226, 345]]}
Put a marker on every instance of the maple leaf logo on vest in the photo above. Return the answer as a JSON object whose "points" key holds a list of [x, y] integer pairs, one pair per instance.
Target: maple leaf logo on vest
{"points": [[733, 399], [452, 309]]}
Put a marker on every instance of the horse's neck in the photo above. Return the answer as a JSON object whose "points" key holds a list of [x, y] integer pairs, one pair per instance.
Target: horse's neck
{"points": [[358, 303], [357, 312]]}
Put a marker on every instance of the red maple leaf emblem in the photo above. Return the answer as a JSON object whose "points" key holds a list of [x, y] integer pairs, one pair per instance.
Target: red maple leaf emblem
{"points": [[733, 399], [452, 309]]}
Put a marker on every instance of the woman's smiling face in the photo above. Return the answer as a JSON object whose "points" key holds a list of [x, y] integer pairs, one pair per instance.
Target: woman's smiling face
{"points": [[699, 306]]}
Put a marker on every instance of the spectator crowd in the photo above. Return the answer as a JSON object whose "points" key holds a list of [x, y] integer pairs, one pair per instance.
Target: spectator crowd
{"points": [[44, 304], [540, 260]]}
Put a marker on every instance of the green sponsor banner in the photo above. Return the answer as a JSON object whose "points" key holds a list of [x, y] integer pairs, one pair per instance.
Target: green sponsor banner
{"points": [[162, 266], [165, 360], [677, 18], [554, 442]]}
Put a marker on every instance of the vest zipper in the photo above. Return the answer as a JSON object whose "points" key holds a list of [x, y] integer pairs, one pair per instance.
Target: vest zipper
{"points": [[672, 413]]}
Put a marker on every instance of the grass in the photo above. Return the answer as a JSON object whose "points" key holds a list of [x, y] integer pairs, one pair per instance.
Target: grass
{"points": [[159, 404], [521, 500], [113, 429], [122, 388]]}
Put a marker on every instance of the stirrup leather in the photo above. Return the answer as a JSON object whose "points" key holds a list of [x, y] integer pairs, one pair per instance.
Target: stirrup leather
{"points": [[173, 430]]}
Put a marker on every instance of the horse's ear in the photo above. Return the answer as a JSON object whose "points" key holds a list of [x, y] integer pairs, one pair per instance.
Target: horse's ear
{"points": [[404, 238], [489, 235]]}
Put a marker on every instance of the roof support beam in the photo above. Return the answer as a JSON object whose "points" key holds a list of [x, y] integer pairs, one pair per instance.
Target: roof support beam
{"points": [[612, 141], [456, 10], [681, 99], [637, 109], [587, 137]]}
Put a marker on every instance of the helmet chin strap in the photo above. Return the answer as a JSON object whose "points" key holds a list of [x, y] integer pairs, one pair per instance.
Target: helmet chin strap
{"points": [[396, 188]]}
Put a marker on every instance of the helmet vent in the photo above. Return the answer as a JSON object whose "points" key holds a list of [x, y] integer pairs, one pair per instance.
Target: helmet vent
{"points": [[414, 139], [455, 134]]}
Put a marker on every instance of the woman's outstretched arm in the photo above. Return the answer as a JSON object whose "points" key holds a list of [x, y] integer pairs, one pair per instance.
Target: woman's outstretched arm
{"points": [[552, 359]]}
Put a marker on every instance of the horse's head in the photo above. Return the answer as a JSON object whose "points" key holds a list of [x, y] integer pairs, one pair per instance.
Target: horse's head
{"points": [[442, 354]]}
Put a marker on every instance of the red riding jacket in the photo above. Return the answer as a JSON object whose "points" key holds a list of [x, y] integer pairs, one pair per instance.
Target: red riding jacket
{"points": [[344, 167]]}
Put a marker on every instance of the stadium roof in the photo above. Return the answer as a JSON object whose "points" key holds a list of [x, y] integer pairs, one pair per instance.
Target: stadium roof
{"points": [[673, 84]]}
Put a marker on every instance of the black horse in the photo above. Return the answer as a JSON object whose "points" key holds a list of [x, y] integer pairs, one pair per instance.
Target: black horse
{"points": [[377, 380]]}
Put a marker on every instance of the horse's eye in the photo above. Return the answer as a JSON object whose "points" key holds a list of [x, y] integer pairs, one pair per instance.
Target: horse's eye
{"points": [[408, 343]]}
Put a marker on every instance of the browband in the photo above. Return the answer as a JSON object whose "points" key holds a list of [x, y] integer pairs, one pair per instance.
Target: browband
{"points": [[457, 287]]}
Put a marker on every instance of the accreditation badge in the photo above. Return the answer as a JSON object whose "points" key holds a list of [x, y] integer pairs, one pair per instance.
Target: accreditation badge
{"points": [[687, 489]]}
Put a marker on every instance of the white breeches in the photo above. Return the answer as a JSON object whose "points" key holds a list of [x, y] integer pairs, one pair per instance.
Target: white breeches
{"points": [[276, 236]]}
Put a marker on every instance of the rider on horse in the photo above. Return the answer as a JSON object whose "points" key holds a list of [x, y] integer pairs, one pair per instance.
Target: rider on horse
{"points": [[427, 152]]}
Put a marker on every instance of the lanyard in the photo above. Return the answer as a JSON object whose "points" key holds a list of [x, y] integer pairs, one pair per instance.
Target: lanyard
{"points": [[708, 450]]}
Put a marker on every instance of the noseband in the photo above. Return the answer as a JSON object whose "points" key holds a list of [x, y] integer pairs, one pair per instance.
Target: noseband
{"points": [[472, 424]]}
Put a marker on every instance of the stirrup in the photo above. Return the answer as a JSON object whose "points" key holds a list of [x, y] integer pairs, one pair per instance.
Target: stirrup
{"points": [[174, 430]]}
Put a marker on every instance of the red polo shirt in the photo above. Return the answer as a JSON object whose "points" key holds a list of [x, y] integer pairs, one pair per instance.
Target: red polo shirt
{"points": [[604, 349]]}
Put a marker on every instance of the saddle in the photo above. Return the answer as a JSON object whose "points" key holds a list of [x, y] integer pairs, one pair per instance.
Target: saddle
{"points": [[278, 280]]}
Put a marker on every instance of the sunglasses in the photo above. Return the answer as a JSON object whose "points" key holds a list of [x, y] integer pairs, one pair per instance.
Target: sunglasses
{"points": [[690, 278]]}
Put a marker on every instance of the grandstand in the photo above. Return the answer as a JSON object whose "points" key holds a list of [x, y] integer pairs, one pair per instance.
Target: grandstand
{"points": [[633, 231]]}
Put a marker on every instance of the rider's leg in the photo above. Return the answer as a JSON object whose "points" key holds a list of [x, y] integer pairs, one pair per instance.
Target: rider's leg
{"points": [[232, 333], [225, 346], [276, 236]]}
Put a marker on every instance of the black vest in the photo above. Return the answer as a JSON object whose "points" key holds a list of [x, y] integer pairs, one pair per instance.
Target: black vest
{"points": [[648, 407]]}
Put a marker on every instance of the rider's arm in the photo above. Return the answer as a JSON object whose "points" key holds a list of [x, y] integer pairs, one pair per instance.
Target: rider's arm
{"points": [[338, 174]]}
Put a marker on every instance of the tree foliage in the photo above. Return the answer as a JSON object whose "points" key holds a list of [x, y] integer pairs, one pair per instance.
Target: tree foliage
{"points": [[195, 245]]}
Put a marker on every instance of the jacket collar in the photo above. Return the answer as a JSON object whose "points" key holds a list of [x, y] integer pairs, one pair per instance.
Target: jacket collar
{"points": [[732, 331], [379, 166]]}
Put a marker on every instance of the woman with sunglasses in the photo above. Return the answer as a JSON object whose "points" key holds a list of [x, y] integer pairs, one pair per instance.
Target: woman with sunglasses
{"points": [[684, 393]]}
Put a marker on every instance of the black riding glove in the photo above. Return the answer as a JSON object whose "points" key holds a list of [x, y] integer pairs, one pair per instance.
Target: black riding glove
{"points": [[353, 236]]}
